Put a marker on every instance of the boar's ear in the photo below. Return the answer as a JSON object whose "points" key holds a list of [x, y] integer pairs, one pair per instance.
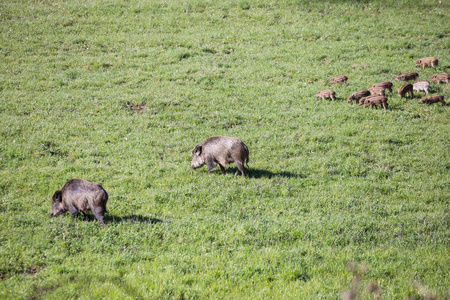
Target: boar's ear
{"points": [[197, 150], [57, 196]]}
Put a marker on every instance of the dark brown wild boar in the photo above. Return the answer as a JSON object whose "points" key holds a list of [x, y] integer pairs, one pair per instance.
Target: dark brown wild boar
{"points": [[357, 95], [385, 84], [427, 61], [375, 101], [80, 195], [339, 79], [407, 76], [433, 99], [406, 89], [221, 150], [443, 77], [326, 94]]}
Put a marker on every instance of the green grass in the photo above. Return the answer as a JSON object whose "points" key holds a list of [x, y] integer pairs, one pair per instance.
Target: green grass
{"points": [[120, 92]]}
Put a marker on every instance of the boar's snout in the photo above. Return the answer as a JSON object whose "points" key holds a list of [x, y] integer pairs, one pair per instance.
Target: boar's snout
{"points": [[57, 206], [197, 159], [196, 162], [55, 213], [56, 210]]}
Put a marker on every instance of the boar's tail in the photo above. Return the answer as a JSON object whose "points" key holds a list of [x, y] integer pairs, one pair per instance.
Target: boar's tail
{"points": [[247, 159], [106, 199]]}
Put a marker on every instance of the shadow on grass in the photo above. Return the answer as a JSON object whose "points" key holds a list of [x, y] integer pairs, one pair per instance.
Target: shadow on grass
{"points": [[260, 173], [131, 219]]}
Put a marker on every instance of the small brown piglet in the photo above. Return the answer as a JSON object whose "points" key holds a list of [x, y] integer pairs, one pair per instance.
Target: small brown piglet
{"points": [[406, 89], [407, 76], [443, 77], [80, 195], [326, 94], [385, 84], [427, 61], [339, 79], [432, 99], [375, 101], [363, 100], [378, 90], [357, 95], [220, 150]]}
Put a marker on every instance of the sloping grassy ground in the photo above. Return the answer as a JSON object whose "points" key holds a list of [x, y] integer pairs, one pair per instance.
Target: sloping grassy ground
{"points": [[339, 198]]}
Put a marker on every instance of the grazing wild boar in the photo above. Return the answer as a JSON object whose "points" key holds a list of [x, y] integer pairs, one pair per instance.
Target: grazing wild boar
{"points": [[326, 94], [443, 77], [378, 90], [385, 84], [407, 76], [406, 89], [363, 100], [427, 61], [80, 195], [432, 99], [357, 95], [339, 79], [221, 150], [421, 85], [375, 101]]}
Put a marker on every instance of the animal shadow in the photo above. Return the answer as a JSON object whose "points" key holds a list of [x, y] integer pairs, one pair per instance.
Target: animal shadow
{"points": [[260, 173], [131, 219]]}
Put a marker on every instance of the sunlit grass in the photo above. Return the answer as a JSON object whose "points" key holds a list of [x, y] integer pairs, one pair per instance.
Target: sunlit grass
{"points": [[120, 92]]}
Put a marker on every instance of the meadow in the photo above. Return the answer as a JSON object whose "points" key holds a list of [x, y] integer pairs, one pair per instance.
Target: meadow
{"points": [[341, 201]]}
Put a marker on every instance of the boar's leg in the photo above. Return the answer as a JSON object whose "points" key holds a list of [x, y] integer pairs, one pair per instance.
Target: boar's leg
{"points": [[240, 168], [86, 216], [73, 211], [222, 168], [98, 213], [210, 163]]}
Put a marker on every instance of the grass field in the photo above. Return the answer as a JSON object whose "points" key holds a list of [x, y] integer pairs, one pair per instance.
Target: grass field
{"points": [[340, 202]]}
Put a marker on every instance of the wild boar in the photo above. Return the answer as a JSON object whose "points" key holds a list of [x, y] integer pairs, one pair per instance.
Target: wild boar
{"points": [[326, 94], [406, 89], [363, 100], [221, 150], [421, 85], [80, 195], [339, 79], [357, 95], [407, 76], [432, 99], [443, 77], [378, 90], [427, 61], [375, 101], [385, 84]]}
